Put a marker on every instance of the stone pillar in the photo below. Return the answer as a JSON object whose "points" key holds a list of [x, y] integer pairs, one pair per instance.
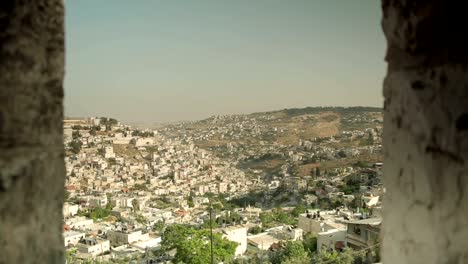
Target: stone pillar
{"points": [[32, 170], [425, 132]]}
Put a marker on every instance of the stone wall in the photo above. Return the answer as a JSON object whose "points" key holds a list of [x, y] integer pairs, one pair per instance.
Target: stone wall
{"points": [[32, 168], [425, 132]]}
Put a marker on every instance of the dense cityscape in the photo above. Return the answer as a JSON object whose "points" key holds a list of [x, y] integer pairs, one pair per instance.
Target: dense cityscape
{"points": [[288, 186]]}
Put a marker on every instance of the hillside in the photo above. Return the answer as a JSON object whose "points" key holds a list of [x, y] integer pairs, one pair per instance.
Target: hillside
{"points": [[290, 140], [299, 123]]}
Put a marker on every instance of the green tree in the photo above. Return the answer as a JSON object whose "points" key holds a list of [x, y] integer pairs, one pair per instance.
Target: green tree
{"points": [[276, 216], [348, 256], [310, 243], [190, 202], [108, 121], [297, 260], [141, 219], [96, 213], [159, 226], [172, 235], [266, 219], [102, 151], [70, 256], [260, 257], [140, 187], [135, 205], [255, 230], [292, 252], [66, 195], [206, 223], [75, 146], [113, 121], [361, 164], [111, 161], [217, 206], [135, 133], [370, 139], [193, 245], [375, 254], [110, 204], [76, 134], [295, 250], [299, 209]]}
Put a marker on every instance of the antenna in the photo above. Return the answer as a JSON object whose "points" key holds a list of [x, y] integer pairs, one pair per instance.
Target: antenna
{"points": [[211, 233]]}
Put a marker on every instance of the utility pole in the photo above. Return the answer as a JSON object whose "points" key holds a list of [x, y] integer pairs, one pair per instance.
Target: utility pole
{"points": [[211, 233]]}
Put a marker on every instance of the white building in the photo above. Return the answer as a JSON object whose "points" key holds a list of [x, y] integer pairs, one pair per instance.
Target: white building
{"points": [[274, 185], [72, 237], [67, 134], [122, 201], [93, 246], [316, 222], [262, 241], [222, 187], [95, 121], [286, 233], [109, 152], [200, 200], [79, 222], [237, 234], [126, 237], [332, 239], [251, 212], [70, 209], [151, 242], [98, 200]]}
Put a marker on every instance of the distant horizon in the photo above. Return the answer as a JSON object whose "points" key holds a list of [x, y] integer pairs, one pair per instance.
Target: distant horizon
{"points": [[233, 114], [161, 61]]}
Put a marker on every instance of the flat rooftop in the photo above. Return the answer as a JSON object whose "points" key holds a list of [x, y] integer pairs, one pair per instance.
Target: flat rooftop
{"points": [[262, 238], [368, 221]]}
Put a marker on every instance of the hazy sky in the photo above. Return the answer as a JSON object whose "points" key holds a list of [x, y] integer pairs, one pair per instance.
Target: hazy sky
{"points": [[151, 60]]}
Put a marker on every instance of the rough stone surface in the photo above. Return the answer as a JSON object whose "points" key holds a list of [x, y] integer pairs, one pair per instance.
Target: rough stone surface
{"points": [[425, 132], [32, 168]]}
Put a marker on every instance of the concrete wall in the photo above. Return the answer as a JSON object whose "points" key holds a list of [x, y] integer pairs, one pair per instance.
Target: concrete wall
{"points": [[313, 226], [328, 239], [238, 235], [32, 170], [120, 238], [309, 225], [425, 132]]}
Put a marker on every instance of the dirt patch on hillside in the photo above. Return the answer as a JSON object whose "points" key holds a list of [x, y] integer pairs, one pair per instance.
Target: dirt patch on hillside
{"points": [[310, 126], [306, 169], [129, 152], [327, 124]]}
